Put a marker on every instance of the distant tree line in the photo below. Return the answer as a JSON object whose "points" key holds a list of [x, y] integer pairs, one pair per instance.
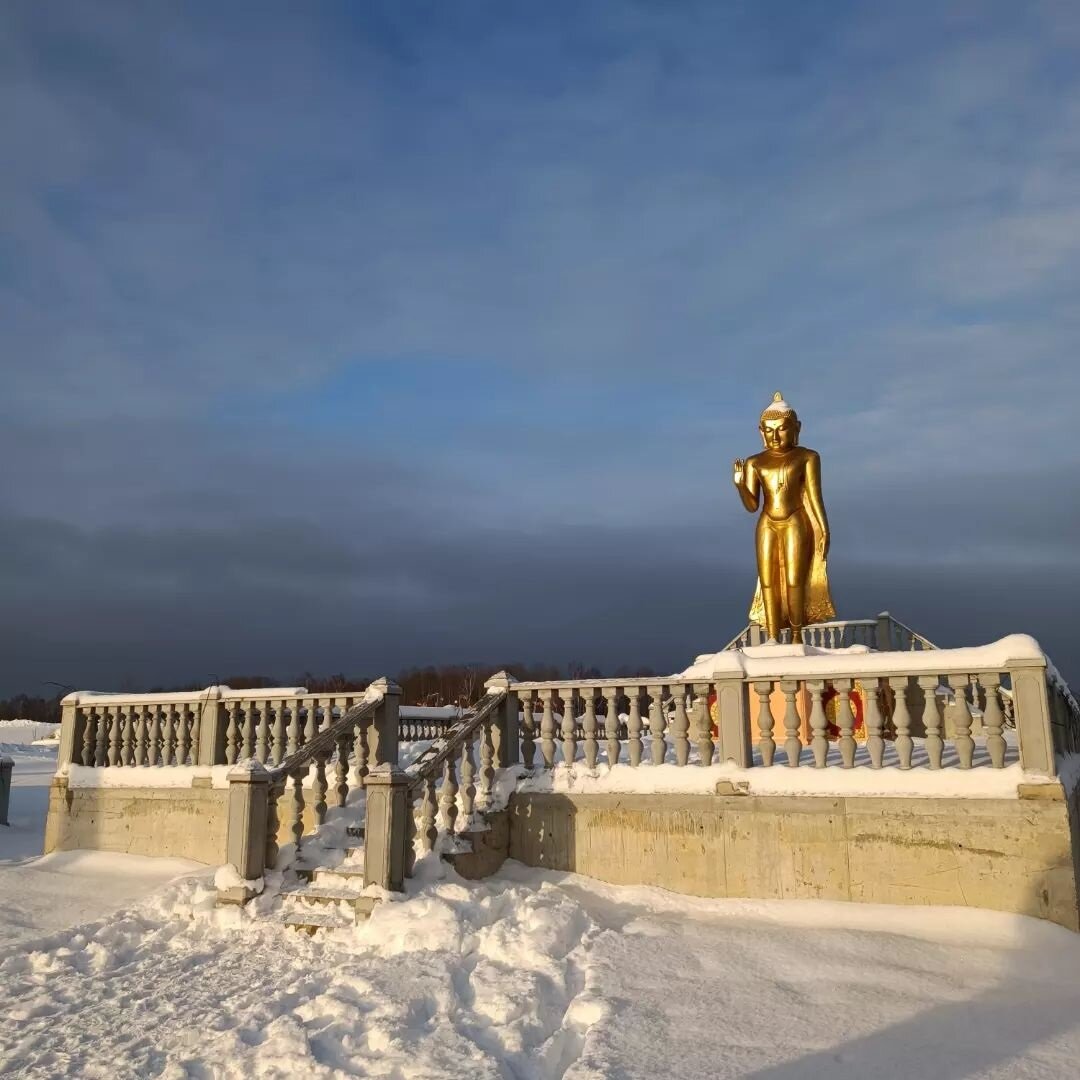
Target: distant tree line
{"points": [[446, 684]]}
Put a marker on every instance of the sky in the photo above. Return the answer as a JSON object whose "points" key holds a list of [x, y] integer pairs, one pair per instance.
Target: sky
{"points": [[352, 337]]}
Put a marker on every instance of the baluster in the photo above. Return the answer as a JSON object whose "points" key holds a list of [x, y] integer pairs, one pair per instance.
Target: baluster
{"points": [[875, 724], [168, 735], [845, 721], [547, 730], [792, 724], [592, 747], [964, 743], [468, 782], [819, 724], [704, 724], [428, 808], [127, 751], [657, 724], [114, 737], [196, 726], [274, 792], [448, 809], [89, 736], [153, 749], [262, 739], [248, 750], [528, 729], [278, 748], [320, 786], [993, 720], [297, 776], [361, 749], [327, 713], [311, 727], [293, 736], [182, 728], [680, 726], [101, 750], [142, 725], [410, 832], [611, 725], [932, 719], [341, 770], [633, 727], [902, 719], [569, 726], [232, 735], [487, 763], [766, 721]]}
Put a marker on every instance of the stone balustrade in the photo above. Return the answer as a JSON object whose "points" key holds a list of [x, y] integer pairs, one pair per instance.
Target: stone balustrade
{"points": [[215, 726], [928, 708]]}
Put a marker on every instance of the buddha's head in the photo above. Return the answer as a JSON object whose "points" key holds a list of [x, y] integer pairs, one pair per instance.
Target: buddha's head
{"points": [[779, 425]]}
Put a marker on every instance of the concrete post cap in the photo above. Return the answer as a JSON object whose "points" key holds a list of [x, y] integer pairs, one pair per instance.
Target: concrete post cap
{"points": [[387, 773], [385, 686], [501, 680], [249, 772], [6, 761]]}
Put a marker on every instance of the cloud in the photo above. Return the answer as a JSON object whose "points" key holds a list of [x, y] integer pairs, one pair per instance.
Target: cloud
{"points": [[331, 335]]}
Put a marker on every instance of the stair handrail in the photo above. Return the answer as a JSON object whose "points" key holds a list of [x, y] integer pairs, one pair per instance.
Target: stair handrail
{"points": [[426, 766], [913, 635], [326, 740]]}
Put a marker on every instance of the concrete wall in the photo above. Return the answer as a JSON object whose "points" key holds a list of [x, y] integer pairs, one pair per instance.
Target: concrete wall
{"points": [[1006, 854], [187, 823]]}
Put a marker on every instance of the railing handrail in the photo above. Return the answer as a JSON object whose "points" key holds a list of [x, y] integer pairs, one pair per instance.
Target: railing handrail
{"points": [[427, 765], [852, 666], [743, 635], [327, 738], [209, 693], [924, 641]]}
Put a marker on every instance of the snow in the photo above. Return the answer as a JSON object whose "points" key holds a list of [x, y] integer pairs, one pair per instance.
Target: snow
{"points": [[112, 966], [54, 892], [978, 783], [805, 661], [30, 778], [26, 732], [146, 776], [536, 975]]}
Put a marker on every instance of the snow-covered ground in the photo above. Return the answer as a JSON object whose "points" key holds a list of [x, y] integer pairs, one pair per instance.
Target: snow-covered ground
{"points": [[534, 975], [41, 895], [110, 969], [30, 777]]}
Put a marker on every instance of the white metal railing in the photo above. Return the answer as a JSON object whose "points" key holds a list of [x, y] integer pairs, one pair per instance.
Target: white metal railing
{"points": [[884, 633]]}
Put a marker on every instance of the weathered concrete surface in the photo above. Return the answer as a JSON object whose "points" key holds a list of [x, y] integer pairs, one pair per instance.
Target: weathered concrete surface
{"points": [[489, 847], [188, 823], [1005, 854]]}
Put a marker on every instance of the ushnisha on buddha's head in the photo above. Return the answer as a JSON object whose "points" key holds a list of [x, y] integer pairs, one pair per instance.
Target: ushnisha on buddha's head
{"points": [[779, 425]]}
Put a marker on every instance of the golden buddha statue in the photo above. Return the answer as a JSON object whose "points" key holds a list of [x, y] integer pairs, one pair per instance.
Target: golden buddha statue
{"points": [[792, 532]]}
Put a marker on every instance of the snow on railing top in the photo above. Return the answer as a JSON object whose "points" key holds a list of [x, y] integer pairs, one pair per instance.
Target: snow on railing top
{"points": [[210, 693], [808, 662]]}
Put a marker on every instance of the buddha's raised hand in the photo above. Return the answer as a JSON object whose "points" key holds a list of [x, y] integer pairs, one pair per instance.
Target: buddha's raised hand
{"points": [[738, 472]]}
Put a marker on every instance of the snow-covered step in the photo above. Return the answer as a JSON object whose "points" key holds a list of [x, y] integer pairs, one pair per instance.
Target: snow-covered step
{"points": [[332, 894], [351, 867], [347, 876], [310, 921]]}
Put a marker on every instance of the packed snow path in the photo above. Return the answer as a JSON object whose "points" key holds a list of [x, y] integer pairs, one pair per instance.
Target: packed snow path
{"points": [[530, 976]]}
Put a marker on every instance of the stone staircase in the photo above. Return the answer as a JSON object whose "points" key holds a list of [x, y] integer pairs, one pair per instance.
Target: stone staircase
{"points": [[331, 893]]}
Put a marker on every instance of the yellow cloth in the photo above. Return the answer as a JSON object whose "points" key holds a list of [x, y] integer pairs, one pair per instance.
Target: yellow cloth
{"points": [[819, 605]]}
